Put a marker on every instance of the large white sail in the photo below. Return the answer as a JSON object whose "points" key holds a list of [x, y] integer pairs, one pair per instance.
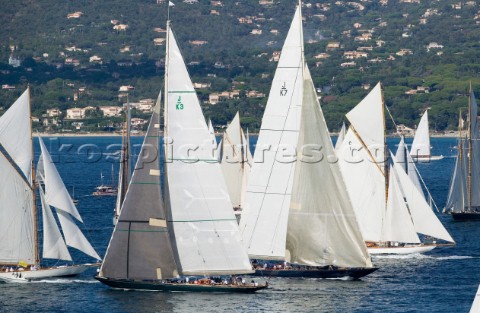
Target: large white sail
{"points": [[16, 134], [398, 224], [206, 233], [247, 167], [16, 216], [424, 219], [322, 226], [368, 120], [421, 141], [267, 201], [17, 219], [365, 185], [56, 193], [54, 246], [74, 236]]}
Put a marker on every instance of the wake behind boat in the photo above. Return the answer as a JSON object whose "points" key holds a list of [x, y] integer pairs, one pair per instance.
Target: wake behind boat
{"points": [[19, 248]]}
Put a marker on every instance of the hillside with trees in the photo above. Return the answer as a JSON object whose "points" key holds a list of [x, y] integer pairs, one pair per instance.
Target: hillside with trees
{"points": [[79, 54]]}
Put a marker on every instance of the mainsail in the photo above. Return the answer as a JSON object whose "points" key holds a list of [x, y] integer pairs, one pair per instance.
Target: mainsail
{"points": [[322, 226], [140, 245], [421, 141], [17, 216], [268, 196], [207, 240]]}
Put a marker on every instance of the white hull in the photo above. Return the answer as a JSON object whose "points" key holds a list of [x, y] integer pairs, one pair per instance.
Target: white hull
{"points": [[59, 271], [427, 158], [400, 250]]}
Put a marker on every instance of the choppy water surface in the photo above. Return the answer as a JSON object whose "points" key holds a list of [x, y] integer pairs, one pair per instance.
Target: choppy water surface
{"points": [[444, 280]]}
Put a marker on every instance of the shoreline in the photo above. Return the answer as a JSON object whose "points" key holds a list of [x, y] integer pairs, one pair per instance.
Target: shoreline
{"points": [[141, 134]]}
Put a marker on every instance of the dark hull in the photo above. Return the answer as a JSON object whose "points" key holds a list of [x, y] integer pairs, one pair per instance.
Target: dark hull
{"points": [[466, 216], [159, 286], [335, 273]]}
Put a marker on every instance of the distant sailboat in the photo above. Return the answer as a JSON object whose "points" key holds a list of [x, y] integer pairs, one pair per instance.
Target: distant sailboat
{"points": [[421, 149], [125, 173], [19, 251], [236, 163], [297, 212], [391, 208], [464, 198], [105, 190], [158, 243]]}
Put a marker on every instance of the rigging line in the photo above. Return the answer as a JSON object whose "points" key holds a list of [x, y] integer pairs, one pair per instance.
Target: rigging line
{"points": [[390, 114]]}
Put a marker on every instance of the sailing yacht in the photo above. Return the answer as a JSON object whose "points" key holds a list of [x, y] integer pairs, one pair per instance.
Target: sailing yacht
{"points": [[124, 174], [391, 209], [298, 220], [421, 149], [159, 244], [463, 201], [236, 163], [105, 190], [19, 248]]}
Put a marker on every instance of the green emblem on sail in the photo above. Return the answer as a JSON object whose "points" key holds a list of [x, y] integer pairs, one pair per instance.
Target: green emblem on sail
{"points": [[179, 105]]}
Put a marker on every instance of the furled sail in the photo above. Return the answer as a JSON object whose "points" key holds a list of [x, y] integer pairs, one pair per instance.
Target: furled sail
{"points": [[140, 245], [421, 141], [56, 193], [206, 233], [267, 201], [16, 134], [54, 246], [322, 226]]}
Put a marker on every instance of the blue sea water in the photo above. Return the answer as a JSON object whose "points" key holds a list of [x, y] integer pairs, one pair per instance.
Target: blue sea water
{"points": [[444, 280]]}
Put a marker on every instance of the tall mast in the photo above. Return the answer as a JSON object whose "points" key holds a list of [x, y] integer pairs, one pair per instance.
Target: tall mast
{"points": [[165, 111], [35, 222], [385, 149], [469, 186]]}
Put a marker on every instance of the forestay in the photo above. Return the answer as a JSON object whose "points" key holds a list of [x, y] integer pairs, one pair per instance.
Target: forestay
{"points": [[267, 201], [322, 226], [206, 232]]}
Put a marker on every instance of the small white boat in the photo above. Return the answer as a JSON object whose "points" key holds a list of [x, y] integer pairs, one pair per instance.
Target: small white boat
{"points": [[421, 149]]}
